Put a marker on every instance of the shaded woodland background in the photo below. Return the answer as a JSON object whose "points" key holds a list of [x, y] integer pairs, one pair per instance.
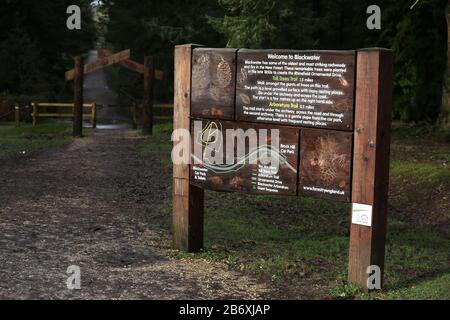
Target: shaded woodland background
{"points": [[36, 47]]}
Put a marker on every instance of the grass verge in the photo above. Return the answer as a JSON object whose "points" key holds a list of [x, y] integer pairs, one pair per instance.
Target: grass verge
{"points": [[25, 140], [299, 242]]}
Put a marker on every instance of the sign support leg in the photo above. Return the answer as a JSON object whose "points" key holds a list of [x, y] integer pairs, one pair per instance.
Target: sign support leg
{"points": [[371, 163], [188, 200]]}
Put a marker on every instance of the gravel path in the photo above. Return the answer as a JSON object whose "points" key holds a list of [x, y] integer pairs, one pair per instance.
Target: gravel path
{"points": [[99, 204]]}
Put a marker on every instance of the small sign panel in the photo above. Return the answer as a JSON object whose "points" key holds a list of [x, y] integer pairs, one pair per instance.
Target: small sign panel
{"points": [[252, 158], [213, 83], [300, 88], [362, 214]]}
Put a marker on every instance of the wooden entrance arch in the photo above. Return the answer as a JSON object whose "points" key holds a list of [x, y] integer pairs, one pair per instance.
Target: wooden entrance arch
{"points": [[107, 58]]}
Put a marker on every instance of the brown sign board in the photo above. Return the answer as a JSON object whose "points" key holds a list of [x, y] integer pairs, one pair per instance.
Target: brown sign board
{"points": [[101, 63], [301, 88], [280, 89], [219, 164], [325, 164], [332, 109], [130, 64], [213, 83]]}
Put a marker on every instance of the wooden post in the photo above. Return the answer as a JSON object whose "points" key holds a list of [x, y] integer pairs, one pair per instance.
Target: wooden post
{"points": [[147, 127], [78, 98], [35, 112], [134, 116], [373, 102], [94, 115], [187, 199], [17, 115]]}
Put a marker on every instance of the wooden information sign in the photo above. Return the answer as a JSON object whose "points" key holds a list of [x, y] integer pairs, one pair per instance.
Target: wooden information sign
{"points": [[300, 123], [302, 88]]}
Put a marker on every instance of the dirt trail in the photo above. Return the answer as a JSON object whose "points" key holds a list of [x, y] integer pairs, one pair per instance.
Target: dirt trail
{"points": [[96, 203]]}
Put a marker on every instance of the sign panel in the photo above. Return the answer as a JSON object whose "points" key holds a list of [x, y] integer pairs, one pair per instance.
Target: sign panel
{"points": [[252, 158], [213, 83], [325, 164], [301, 88]]}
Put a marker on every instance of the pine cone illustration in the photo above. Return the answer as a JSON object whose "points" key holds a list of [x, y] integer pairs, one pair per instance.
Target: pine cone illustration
{"points": [[245, 98], [328, 173], [223, 73]]}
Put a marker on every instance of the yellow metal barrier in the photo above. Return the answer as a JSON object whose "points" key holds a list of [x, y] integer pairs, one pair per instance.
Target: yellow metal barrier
{"points": [[36, 114]]}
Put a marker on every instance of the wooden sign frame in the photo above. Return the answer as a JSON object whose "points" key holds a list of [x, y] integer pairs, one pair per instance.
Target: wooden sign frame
{"points": [[370, 157]]}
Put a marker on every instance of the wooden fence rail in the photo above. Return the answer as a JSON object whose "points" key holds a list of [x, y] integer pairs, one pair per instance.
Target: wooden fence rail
{"points": [[37, 114]]}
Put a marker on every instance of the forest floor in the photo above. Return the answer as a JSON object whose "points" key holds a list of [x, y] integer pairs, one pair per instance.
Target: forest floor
{"points": [[103, 203], [89, 203]]}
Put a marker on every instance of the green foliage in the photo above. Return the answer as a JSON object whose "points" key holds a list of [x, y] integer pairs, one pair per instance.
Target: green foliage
{"points": [[418, 38], [430, 289], [36, 47], [153, 28], [25, 68], [25, 140], [247, 23], [266, 23]]}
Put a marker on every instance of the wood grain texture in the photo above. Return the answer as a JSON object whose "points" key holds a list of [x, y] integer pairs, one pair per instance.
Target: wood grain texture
{"points": [[187, 219], [100, 63], [78, 98], [325, 164], [300, 88], [371, 159], [213, 83], [131, 64], [243, 170]]}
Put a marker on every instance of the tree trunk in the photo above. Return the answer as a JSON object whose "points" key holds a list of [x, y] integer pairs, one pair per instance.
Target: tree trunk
{"points": [[147, 127], [78, 98]]}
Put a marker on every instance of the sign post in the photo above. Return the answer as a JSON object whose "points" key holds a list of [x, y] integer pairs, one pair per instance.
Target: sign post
{"points": [[324, 117], [371, 162], [187, 198]]}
